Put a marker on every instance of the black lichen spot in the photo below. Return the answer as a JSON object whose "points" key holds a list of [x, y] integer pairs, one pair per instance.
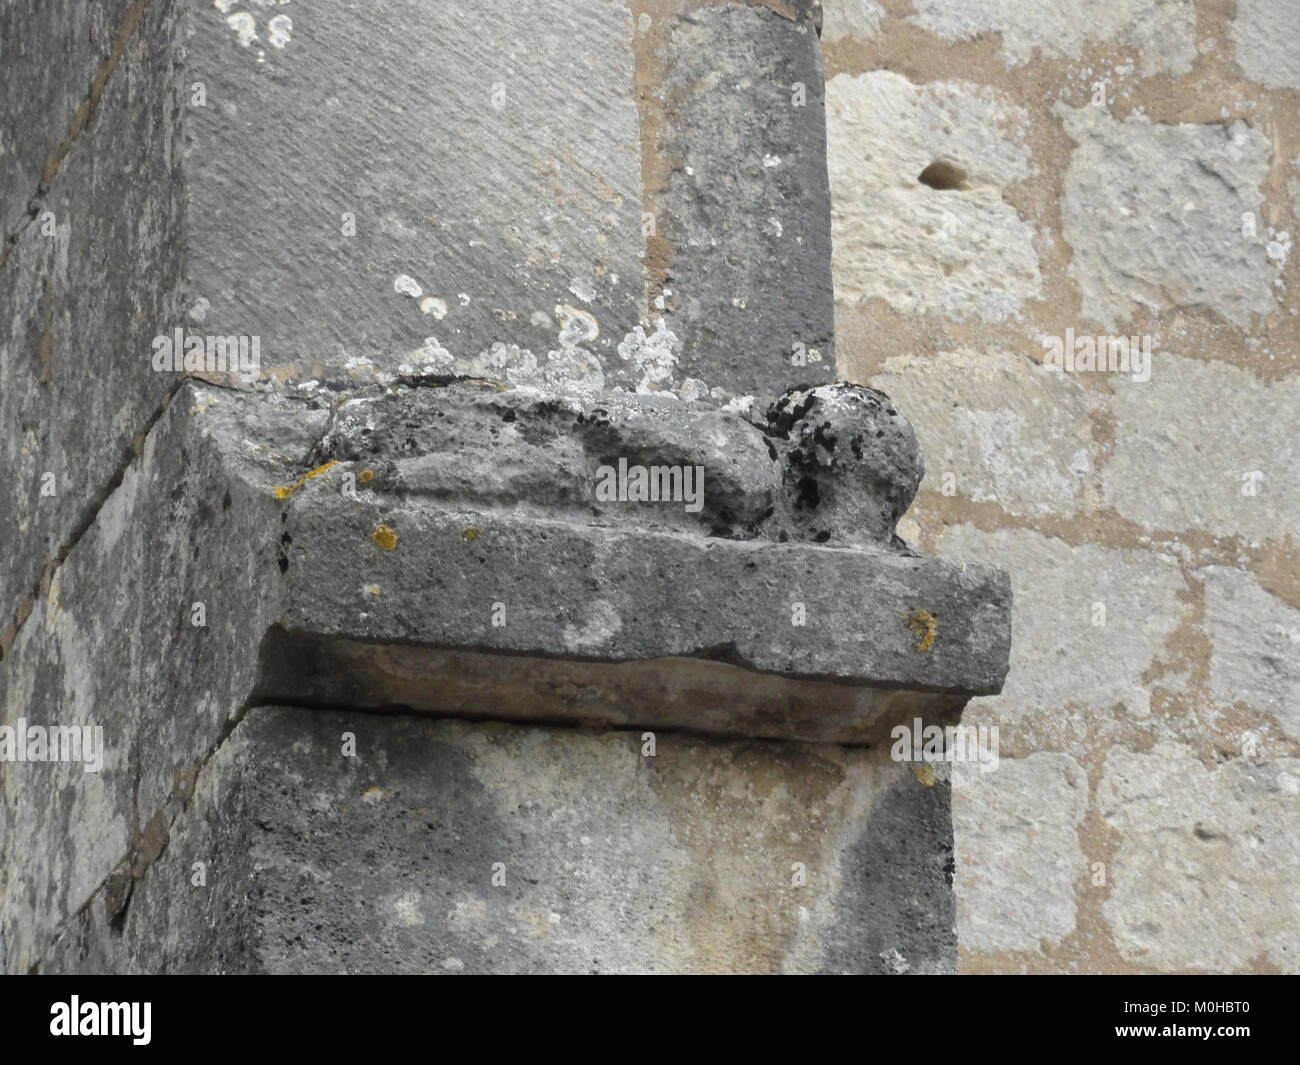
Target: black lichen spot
{"points": [[855, 445], [808, 495], [509, 416], [771, 449], [824, 438], [783, 414], [226, 501], [822, 536]]}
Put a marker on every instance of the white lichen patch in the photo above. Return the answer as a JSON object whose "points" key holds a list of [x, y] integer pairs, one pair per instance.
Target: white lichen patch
{"points": [[576, 325], [407, 286], [433, 352], [653, 356], [434, 306], [244, 26], [279, 29], [408, 909]]}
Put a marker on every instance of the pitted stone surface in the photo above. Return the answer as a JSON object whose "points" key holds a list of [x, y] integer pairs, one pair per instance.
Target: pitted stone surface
{"points": [[1264, 35], [446, 847], [1202, 875], [468, 205], [1167, 191], [541, 454], [835, 464], [1163, 32], [852, 463], [960, 250], [618, 593]]}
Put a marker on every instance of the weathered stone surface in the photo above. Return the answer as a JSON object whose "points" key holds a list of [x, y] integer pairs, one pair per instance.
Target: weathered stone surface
{"points": [[1203, 877], [695, 695], [853, 19], [490, 163], [1006, 430], [463, 572], [958, 250], [1173, 197], [112, 643], [611, 861], [1236, 426], [747, 207], [1018, 853], [624, 596], [83, 293], [42, 98], [836, 464], [851, 463], [497, 239], [1264, 33], [1254, 646], [1060, 656], [1162, 31]]}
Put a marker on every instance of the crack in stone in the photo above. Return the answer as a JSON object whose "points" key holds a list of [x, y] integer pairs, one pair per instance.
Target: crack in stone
{"points": [[80, 120], [90, 513]]}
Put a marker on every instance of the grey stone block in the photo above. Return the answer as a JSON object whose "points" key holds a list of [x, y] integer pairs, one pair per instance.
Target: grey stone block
{"points": [[50, 54], [446, 847], [112, 644], [489, 160], [746, 211], [81, 304]]}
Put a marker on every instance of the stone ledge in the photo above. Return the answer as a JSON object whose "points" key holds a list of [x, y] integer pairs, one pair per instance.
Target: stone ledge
{"points": [[400, 589]]}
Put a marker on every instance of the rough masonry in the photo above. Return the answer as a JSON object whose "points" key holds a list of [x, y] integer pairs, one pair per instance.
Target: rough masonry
{"points": [[387, 684]]}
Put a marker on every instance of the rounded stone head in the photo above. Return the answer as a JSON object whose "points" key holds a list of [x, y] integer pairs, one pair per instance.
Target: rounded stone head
{"points": [[852, 463]]}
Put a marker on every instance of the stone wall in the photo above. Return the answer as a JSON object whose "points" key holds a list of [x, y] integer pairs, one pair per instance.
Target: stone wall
{"points": [[1145, 815]]}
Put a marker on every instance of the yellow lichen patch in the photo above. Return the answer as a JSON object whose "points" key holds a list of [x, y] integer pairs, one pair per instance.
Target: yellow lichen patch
{"points": [[469, 535], [925, 774], [384, 537], [286, 490], [374, 795], [924, 628], [365, 476]]}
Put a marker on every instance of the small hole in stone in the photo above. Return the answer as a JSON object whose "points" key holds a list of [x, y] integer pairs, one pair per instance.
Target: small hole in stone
{"points": [[940, 175]]}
